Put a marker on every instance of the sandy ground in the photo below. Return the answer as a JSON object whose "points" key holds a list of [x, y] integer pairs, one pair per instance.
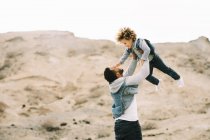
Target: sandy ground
{"points": [[52, 88]]}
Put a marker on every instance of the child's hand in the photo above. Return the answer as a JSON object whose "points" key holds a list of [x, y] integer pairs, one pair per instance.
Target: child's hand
{"points": [[117, 65]]}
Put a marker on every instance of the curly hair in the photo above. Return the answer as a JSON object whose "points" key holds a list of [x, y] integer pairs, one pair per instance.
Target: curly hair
{"points": [[126, 33]]}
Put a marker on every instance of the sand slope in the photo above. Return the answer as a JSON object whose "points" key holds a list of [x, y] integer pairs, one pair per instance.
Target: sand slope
{"points": [[52, 88]]}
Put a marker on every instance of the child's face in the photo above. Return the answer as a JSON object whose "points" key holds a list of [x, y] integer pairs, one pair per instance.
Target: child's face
{"points": [[127, 43]]}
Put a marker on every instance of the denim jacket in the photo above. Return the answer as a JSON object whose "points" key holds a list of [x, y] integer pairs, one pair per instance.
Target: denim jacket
{"points": [[135, 49], [123, 89], [123, 98]]}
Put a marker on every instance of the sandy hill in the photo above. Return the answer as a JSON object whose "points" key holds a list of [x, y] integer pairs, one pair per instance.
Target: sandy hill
{"points": [[52, 88]]}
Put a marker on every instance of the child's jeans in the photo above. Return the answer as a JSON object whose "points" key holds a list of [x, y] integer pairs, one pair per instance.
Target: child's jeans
{"points": [[157, 62]]}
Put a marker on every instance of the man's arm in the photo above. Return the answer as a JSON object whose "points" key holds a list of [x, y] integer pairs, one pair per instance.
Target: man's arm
{"points": [[140, 76], [131, 68]]}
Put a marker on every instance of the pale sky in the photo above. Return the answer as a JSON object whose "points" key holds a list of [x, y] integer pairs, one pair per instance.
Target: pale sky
{"points": [[157, 20]]}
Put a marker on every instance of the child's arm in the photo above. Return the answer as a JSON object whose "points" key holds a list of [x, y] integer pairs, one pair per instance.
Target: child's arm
{"points": [[123, 57], [146, 50], [117, 65]]}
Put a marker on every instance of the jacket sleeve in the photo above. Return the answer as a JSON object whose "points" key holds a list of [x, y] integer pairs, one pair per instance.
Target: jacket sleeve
{"points": [[133, 89], [140, 76], [130, 69], [143, 45], [124, 56]]}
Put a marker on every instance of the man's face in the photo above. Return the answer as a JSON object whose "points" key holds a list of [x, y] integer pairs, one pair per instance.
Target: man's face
{"points": [[118, 72]]}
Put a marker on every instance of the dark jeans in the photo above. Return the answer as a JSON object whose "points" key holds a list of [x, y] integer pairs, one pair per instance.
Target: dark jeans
{"points": [[127, 130], [157, 62]]}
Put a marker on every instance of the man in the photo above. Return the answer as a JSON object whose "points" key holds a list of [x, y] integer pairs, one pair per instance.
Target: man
{"points": [[123, 88]]}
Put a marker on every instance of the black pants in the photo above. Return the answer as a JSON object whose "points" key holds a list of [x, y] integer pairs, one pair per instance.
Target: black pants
{"points": [[127, 130], [157, 62]]}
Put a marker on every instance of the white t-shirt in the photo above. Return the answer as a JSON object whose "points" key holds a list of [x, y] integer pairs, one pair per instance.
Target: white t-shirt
{"points": [[130, 113]]}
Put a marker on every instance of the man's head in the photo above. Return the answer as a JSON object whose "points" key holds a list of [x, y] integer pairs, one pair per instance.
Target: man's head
{"points": [[126, 36], [111, 74]]}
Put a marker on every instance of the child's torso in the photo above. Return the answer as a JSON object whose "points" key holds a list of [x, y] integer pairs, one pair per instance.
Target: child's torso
{"points": [[138, 51]]}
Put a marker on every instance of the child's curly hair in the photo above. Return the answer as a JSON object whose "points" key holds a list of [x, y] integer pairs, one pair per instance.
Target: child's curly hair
{"points": [[126, 33]]}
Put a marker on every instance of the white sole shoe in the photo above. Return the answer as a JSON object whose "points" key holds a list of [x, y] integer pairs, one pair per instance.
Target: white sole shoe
{"points": [[180, 82], [157, 87]]}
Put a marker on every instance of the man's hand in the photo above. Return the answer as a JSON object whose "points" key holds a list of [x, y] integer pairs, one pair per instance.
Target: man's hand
{"points": [[141, 62], [134, 56], [141, 51]]}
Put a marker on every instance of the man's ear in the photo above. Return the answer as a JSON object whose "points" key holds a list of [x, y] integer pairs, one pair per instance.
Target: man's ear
{"points": [[118, 74]]}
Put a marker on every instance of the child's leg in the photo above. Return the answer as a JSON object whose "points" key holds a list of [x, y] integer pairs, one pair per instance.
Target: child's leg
{"points": [[151, 78], [159, 64]]}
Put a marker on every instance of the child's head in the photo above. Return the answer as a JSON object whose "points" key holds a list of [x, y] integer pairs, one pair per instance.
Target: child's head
{"points": [[126, 36]]}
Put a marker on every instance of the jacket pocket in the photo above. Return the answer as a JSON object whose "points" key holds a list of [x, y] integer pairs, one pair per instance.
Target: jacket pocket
{"points": [[117, 111]]}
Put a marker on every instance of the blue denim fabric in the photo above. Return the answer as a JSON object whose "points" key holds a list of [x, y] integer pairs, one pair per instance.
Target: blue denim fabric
{"points": [[136, 46], [122, 99]]}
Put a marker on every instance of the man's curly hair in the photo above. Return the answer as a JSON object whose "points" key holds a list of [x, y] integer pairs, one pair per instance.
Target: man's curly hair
{"points": [[126, 33]]}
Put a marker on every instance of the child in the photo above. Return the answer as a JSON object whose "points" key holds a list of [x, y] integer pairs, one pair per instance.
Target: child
{"points": [[143, 50]]}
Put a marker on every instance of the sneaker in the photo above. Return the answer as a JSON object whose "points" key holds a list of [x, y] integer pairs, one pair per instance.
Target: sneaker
{"points": [[180, 82], [157, 87]]}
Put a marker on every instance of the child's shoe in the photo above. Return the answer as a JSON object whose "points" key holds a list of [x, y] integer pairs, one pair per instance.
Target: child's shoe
{"points": [[180, 82], [157, 87]]}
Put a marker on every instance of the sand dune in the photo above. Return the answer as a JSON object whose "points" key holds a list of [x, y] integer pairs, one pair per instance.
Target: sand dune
{"points": [[52, 88]]}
